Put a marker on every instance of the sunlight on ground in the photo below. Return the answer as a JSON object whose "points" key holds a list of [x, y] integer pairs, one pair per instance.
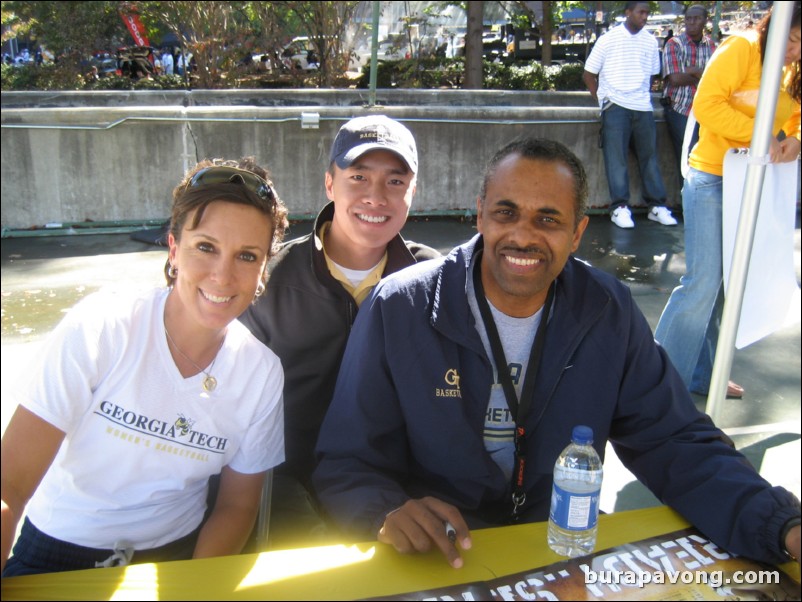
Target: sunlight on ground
{"points": [[780, 465]]}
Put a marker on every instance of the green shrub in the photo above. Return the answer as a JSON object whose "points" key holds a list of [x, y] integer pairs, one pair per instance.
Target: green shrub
{"points": [[40, 77], [428, 73], [442, 72], [114, 82], [437, 72], [433, 72], [156, 83], [516, 76], [568, 77], [120, 82]]}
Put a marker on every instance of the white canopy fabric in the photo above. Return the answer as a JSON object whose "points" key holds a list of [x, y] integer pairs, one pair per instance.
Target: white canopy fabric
{"points": [[771, 298]]}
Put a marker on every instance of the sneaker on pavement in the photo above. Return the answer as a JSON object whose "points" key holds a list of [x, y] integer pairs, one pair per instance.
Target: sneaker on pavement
{"points": [[662, 215], [622, 217]]}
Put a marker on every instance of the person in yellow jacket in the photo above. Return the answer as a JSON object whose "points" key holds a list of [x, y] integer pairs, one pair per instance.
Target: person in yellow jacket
{"points": [[725, 107]]}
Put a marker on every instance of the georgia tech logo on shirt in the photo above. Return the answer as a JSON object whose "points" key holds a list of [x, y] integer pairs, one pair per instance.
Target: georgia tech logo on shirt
{"points": [[451, 379], [179, 432], [184, 424]]}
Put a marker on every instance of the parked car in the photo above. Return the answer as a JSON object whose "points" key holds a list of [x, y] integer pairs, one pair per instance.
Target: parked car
{"points": [[264, 61], [301, 54], [494, 46], [106, 66], [387, 50]]}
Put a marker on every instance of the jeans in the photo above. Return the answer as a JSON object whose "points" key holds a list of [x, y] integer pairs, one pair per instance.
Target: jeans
{"points": [[619, 126], [689, 326], [36, 552], [676, 127]]}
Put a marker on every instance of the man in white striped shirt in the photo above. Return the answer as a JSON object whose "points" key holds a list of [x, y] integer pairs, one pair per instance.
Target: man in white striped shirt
{"points": [[619, 74]]}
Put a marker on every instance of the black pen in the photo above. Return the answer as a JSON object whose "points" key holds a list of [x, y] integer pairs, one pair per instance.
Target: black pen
{"points": [[451, 532]]}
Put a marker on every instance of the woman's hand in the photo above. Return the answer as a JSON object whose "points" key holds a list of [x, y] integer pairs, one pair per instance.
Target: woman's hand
{"points": [[789, 149], [784, 151]]}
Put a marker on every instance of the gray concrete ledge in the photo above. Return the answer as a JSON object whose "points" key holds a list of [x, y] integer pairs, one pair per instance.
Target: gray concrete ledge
{"points": [[291, 98], [70, 157]]}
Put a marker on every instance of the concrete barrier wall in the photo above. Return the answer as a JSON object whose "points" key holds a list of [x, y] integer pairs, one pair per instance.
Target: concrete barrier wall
{"points": [[115, 156]]}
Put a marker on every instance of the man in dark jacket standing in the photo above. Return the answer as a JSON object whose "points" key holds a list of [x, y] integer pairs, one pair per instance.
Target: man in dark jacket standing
{"points": [[684, 59], [464, 377], [317, 283]]}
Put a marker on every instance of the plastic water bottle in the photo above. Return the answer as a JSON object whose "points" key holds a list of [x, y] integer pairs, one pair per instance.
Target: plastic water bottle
{"points": [[575, 496]]}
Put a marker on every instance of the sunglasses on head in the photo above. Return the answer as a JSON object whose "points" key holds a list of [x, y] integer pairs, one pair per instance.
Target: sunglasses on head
{"points": [[220, 174]]}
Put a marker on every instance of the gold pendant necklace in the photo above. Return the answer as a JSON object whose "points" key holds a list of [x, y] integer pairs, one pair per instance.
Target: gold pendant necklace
{"points": [[209, 382]]}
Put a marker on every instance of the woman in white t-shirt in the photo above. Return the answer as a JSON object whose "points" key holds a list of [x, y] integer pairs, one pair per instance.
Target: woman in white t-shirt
{"points": [[136, 402]]}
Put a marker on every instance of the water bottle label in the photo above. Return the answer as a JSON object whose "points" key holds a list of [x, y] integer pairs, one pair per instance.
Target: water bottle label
{"points": [[574, 511]]}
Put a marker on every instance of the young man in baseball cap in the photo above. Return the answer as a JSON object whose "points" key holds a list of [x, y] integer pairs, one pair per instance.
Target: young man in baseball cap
{"points": [[317, 283]]}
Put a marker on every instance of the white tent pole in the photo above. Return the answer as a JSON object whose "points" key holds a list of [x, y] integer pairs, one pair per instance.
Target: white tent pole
{"points": [[745, 234]]}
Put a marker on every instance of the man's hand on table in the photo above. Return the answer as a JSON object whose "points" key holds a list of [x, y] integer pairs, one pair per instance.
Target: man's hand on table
{"points": [[419, 524]]}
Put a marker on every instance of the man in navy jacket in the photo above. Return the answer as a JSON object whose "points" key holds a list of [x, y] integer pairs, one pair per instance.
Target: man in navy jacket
{"points": [[415, 435]]}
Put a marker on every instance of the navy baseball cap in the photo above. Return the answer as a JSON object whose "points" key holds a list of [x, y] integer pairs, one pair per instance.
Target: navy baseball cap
{"points": [[371, 132]]}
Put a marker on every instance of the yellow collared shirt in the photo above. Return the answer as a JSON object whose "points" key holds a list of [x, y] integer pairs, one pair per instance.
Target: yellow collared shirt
{"points": [[361, 290]]}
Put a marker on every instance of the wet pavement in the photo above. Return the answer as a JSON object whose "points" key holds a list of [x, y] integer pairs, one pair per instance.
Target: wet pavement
{"points": [[42, 277]]}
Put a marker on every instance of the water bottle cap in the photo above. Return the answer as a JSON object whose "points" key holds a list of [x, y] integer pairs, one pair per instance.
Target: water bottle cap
{"points": [[582, 435]]}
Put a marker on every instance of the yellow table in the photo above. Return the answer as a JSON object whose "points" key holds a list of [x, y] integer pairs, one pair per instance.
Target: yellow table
{"points": [[339, 572]]}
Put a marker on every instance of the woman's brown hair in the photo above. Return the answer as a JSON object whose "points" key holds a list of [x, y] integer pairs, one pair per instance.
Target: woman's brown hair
{"points": [[192, 194], [795, 87]]}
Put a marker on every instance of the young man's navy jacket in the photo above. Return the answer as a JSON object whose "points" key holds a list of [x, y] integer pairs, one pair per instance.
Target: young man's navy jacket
{"points": [[305, 317], [408, 412]]}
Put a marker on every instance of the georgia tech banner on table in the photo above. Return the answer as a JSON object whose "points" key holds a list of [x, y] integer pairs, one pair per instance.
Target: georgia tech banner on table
{"points": [[682, 565]]}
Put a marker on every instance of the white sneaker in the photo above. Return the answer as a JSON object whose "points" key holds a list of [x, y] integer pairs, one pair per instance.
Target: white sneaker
{"points": [[622, 217], [662, 215]]}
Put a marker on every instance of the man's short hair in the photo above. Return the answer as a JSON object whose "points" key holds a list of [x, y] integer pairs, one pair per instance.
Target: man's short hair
{"points": [[698, 7], [632, 5]]}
